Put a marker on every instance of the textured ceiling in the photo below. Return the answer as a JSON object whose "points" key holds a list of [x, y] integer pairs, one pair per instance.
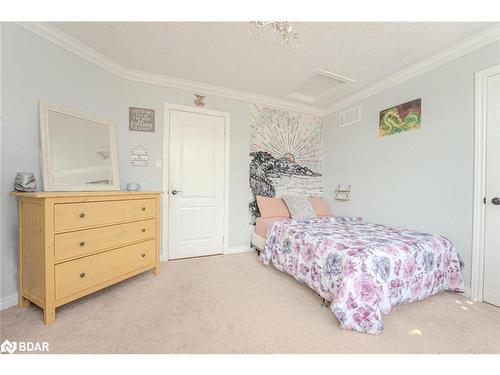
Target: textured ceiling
{"points": [[235, 55]]}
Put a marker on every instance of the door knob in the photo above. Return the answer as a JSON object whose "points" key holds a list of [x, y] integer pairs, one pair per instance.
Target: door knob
{"points": [[496, 201], [174, 192]]}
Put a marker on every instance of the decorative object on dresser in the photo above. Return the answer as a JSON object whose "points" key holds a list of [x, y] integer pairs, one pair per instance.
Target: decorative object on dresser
{"points": [[74, 243], [133, 186], [25, 182], [78, 151]]}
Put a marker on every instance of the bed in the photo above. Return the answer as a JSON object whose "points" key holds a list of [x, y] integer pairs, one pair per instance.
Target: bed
{"points": [[262, 225], [275, 209], [362, 268]]}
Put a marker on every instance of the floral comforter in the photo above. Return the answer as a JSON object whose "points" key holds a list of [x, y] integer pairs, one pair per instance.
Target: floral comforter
{"points": [[362, 268]]}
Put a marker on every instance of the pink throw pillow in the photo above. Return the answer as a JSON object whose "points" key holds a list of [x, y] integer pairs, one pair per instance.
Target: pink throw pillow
{"points": [[320, 206], [272, 207]]}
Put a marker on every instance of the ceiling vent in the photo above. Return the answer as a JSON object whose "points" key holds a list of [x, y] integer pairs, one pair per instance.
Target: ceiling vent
{"points": [[317, 86], [349, 116]]}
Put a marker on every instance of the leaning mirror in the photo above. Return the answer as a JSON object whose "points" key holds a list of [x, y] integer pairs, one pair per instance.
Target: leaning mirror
{"points": [[78, 151]]}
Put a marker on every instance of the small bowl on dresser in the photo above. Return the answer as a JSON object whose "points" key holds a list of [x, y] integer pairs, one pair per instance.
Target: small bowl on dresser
{"points": [[133, 186]]}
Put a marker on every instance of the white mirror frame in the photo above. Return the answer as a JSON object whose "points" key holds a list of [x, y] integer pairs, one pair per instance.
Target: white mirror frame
{"points": [[45, 151]]}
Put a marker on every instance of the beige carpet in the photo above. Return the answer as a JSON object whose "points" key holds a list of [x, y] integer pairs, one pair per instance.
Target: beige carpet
{"points": [[234, 304]]}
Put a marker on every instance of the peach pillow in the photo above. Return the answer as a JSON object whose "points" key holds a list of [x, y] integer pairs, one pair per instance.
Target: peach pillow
{"points": [[272, 207], [320, 206]]}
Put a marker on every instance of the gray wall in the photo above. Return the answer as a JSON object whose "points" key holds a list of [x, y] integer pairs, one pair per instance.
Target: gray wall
{"points": [[34, 69], [421, 179]]}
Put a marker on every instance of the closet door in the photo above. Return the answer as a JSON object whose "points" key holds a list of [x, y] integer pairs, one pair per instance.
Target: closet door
{"points": [[491, 291], [196, 184]]}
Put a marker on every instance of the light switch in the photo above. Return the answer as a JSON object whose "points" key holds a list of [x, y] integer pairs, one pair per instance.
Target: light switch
{"points": [[158, 163]]}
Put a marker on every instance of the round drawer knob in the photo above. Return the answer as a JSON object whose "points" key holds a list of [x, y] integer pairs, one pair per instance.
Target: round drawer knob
{"points": [[82, 215], [143, 255], [144, 208], [82, 274], [143, 230], [82, 243]]}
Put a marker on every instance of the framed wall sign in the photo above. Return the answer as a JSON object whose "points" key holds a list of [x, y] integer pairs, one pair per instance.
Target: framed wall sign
{"points": [[141, 119], [139, 157]]}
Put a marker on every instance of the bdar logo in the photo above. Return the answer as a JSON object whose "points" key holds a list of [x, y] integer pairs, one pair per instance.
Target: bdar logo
{"points": [[8, 347]]}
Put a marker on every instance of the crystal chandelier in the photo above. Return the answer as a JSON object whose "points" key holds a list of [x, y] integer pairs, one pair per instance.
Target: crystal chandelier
{"points": [[284, 29]]}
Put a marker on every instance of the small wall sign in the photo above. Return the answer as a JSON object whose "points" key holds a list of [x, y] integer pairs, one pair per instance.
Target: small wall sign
{"points": [[139, 157], [141, 119]]}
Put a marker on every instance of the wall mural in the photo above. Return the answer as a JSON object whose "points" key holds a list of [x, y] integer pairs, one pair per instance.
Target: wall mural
{"points": [[286, 155]]}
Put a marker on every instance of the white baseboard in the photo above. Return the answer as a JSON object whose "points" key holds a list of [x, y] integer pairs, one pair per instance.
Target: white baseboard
{"points": [[466, 293], [238, 249], [8, 301]]}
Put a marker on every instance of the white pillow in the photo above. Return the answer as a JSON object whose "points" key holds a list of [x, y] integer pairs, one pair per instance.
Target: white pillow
{"points": [[299, 207]]}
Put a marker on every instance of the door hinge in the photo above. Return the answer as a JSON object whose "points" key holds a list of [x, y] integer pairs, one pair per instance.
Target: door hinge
{"points": [[484, 200]]}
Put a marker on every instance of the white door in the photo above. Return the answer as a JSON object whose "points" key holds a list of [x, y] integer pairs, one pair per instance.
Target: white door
{"points": [[196, 184], [491, 291]]}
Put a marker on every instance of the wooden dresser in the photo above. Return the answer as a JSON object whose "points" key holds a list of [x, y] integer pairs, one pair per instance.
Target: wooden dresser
{"points": [[75, 243]]}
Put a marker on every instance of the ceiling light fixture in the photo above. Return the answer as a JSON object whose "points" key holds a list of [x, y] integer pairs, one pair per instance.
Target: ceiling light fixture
{"points": [[284, 29]]}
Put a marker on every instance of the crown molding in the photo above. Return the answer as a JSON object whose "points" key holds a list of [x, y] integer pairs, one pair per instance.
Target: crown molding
{"points": [[468, 45], [205, 88], [70, 44], [65, 41], [80, 49]]}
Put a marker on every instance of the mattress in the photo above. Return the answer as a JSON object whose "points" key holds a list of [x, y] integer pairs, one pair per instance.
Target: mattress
{"points": [[262, 224], [363, 268], [258, 242]]}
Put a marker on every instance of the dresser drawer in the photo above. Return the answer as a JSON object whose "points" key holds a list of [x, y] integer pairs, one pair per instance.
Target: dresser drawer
{"points": [[70, 216], [86, 273], [75, 244]]}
